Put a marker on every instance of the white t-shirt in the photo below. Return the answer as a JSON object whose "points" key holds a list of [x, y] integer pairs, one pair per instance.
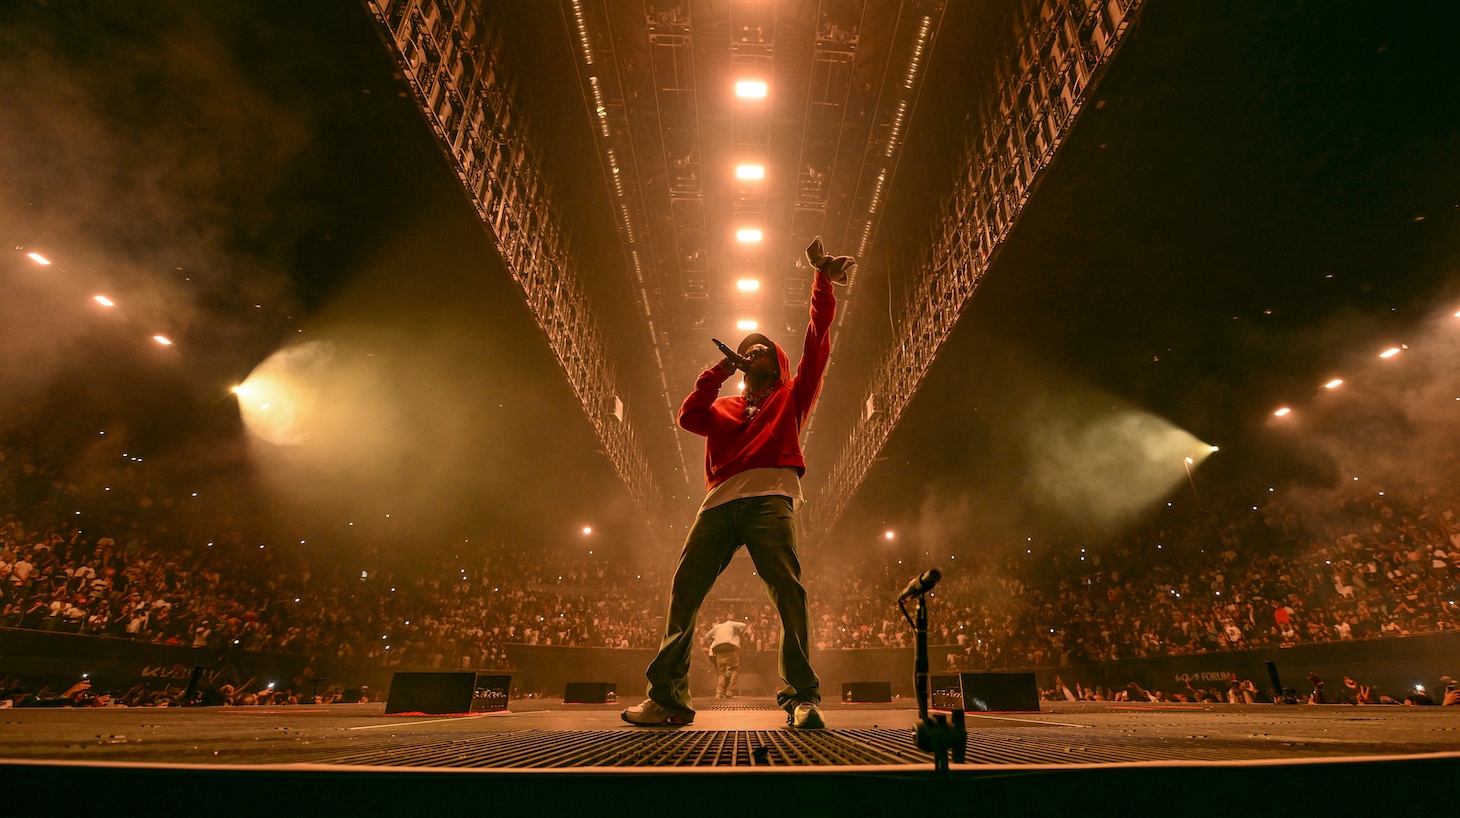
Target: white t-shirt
{"points": [[726, 633], [783, 481]]}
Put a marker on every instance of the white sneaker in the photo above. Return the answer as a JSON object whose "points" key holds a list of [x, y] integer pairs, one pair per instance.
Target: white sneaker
{"points": [[807, 716], [651, 713]]}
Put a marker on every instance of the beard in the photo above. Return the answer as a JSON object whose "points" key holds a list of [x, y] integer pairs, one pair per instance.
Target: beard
{"points": [[758, 379]]}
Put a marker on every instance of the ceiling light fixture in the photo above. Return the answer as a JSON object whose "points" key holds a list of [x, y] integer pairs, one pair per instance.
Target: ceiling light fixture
{"points": [[750, 171], [750, 89], [750, 235], [748, 285], [746, 325]]}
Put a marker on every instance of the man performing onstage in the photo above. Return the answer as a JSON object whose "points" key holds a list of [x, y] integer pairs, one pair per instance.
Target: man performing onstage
{"points": [[753, 468], [724, 642]]}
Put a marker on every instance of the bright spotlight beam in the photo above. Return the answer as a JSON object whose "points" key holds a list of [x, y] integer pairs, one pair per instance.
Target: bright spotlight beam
{"points": [[38, 259], [1389, 353], [104, 301], [162, 339], [1103, 468], [748, 235], [1333, 384]]}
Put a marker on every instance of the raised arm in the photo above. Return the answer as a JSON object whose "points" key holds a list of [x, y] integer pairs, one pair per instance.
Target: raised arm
{"points": [[817, 350]]}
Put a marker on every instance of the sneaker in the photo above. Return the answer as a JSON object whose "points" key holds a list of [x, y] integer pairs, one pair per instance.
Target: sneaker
{"points": [[653, 714], [807, 716]]}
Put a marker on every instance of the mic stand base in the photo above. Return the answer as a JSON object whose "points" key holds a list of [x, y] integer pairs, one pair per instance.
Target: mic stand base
{"points": [[942, 737]]}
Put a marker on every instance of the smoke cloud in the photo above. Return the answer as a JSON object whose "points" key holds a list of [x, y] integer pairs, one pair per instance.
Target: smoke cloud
{"points": [[1391, 424], [1100, 465]]}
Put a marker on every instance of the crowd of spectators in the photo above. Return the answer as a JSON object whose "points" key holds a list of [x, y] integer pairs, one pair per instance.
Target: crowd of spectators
{"points": [[1368, 566], [1245, 691], [1270, 574], [213, 691]]}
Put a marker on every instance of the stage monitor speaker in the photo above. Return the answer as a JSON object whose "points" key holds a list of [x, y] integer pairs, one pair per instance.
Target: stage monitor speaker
{"points": [[590, 693], [946, 692], [866, 691], [443, 693], [999, 692]]}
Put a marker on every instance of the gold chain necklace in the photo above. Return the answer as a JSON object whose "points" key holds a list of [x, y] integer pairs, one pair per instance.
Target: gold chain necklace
{"points": [[753, 399]]}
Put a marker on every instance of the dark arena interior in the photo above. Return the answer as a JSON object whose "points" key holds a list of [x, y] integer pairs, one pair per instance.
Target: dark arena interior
{"points": [[365, 447]]}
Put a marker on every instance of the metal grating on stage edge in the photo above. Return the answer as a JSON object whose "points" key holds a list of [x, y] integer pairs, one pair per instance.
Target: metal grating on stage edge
{"points": [[737, 736], [550, 749], [543, 749]]}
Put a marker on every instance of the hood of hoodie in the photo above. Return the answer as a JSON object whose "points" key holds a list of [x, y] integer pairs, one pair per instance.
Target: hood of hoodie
{"points": [[783, 362]]}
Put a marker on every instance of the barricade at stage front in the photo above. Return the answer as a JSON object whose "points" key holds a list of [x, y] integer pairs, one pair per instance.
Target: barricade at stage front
{"points": [[1393, 664]]}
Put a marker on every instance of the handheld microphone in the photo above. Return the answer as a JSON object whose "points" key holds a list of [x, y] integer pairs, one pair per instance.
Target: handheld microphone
{"points": [[734, 356], [921, 584]]}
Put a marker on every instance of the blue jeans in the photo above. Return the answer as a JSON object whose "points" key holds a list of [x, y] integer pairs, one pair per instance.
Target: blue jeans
{"points": [[766, 526]]}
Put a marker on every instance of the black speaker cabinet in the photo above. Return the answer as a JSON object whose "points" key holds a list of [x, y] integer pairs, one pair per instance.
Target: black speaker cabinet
{"points": [[590, 693], [987, 692], [946, 692], [443, 693], [866, 691]]}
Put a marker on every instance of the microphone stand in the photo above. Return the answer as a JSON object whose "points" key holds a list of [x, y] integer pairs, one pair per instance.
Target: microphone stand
{"points": [[935, 735], [920, 656]]}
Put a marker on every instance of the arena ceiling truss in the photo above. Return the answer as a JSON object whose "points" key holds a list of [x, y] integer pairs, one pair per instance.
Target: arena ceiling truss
{"points": [[730, 133]]}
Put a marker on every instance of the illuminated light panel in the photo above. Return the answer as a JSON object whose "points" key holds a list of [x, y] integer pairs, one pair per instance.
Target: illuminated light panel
{"points": [[750, 171], [1283, 411], [889, 535], [1190, 462], [587, 529], [1389, 353], [750, 89], [1333, 384], [38, 258], [162, 339], [747, 325], [748, 285], [104, 301], [750, 235]]}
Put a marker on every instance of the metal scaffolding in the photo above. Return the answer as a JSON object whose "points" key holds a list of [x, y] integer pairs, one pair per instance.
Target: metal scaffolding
{"points": [[855, 129], [608, 89], [450, 52], [1057, 51]]}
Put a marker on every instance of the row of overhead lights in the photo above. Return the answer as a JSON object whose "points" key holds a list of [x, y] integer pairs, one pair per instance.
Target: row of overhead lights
{"points": [[1285, 411], [749, 91], [104, 301]]}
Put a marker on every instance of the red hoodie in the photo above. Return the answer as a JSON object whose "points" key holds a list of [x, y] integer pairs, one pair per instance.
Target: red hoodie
{"points": [[772, 438]]}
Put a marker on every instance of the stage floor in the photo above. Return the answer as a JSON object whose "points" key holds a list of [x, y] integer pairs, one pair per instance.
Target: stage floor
{"points": [[740, 735]]}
